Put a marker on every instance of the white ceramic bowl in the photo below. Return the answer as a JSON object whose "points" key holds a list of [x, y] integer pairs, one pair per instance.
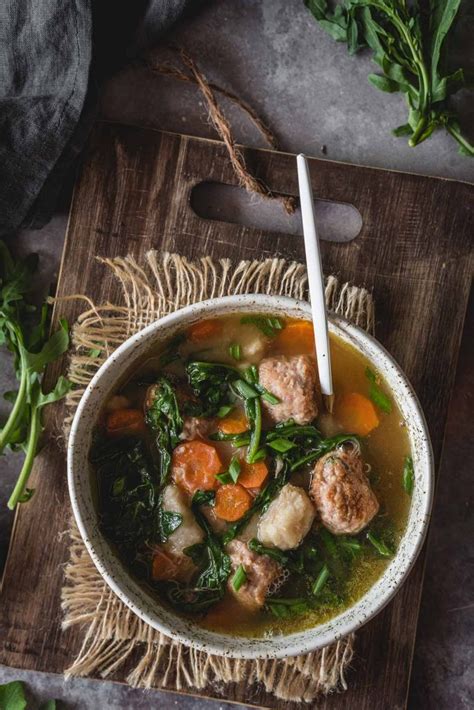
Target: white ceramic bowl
{"points": [[134, 596]]}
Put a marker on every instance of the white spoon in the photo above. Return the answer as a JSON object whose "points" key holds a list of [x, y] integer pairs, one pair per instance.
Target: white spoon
{"points": [[316, 282]]}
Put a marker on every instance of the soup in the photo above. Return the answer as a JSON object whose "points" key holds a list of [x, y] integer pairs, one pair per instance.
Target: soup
{"points": [[228, 489]]}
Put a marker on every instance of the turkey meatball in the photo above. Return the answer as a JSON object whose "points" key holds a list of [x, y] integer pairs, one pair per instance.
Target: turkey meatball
{"points": [[293, 381], [196, 428], [288, 519], [260, 570], [341, 492]]}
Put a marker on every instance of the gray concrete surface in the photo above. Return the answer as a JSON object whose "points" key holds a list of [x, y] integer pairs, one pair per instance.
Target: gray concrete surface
{"points": [[315, 97]]}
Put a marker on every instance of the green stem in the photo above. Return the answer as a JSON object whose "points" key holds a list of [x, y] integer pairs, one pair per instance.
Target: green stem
{"points": [[33, 438], [425, 90], [256, 430], [468, 147], [11, 422]]}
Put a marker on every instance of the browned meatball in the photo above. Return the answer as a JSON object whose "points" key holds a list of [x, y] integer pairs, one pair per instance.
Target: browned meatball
{"points": [[341, 492], [196, 428], [261, 572], [293, 381]]}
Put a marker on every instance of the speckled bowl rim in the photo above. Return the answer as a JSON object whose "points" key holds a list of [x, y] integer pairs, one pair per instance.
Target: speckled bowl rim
{"points": [[136, 597]]}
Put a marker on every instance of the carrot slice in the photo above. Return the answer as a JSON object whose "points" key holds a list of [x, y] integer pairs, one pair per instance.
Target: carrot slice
{"points": [[252, 475], [296, 338], [204, 329], [194, 466], [356, 413], [125, 422], [167, 565], [235, 423], [232, 501]]}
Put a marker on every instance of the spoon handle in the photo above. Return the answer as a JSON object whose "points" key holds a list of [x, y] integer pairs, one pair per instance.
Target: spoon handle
{"points": [[315, 277]]}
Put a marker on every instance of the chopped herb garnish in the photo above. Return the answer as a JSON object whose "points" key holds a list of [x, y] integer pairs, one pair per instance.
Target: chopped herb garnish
{"points": [[232, 474], [320, 580], [239, 578], [224, 410], [235, 351], [408, 475], [268, 325], [253, 411], [377, 396], [244, 390], [268, 396], [281, 445]]}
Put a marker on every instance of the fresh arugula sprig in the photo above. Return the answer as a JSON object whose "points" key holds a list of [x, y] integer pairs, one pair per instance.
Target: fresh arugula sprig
{"points": [[410, 55], [32, 351]]}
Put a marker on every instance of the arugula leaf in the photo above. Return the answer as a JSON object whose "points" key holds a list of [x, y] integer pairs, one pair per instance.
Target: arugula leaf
{"points": [[410, 55], [12, 696], [32, 351]]}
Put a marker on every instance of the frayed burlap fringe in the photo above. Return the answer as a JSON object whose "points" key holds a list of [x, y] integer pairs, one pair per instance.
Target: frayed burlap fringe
{"points": [[114, 636]]}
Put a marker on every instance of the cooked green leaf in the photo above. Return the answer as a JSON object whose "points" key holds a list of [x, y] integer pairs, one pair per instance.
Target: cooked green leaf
{"points": [[320, 580], [169, 522], [379, 545], [267, 324], [408, 475], [376, 394]]}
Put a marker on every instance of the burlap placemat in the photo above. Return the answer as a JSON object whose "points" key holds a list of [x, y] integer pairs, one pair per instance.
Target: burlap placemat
{"points": [[114, 637]]}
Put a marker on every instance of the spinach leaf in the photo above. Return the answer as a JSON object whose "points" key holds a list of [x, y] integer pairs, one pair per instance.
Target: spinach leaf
{"points": [[129, 495], [169, 522], [215, 568], [165, 421], [210, 383], [204, 498]]}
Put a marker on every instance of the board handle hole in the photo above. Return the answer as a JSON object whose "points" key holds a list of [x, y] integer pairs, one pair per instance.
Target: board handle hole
{"points": [[337, 221]]}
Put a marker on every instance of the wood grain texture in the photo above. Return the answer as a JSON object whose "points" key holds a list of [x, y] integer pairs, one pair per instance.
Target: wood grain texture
{"points": [[414, 253]]}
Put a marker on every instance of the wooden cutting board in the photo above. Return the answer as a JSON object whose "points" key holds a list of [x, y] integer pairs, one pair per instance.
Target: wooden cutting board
{"points": [[413, 252]]}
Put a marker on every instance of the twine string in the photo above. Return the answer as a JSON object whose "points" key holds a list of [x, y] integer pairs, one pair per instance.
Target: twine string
{"points": [[221, 124]]}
